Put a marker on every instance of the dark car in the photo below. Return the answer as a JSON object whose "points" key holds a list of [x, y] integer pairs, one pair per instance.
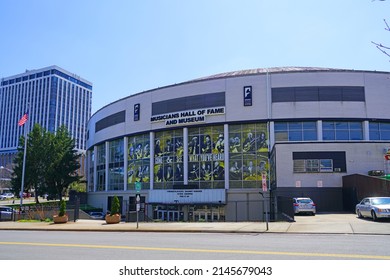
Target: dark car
{"points": [[97, 215]]}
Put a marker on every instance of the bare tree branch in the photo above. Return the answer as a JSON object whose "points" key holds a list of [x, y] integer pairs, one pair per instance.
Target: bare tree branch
{"points": [[388, 28]]}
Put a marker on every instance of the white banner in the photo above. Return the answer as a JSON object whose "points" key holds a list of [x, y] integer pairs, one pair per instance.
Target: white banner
{"points": [[187, 196]]}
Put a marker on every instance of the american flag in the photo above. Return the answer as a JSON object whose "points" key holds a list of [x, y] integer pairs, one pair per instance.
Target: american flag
{"points": [[23, 119]]}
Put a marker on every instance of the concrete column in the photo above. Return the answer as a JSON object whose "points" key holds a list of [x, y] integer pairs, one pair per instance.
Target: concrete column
{"points": [[125, 161], [319, 130], [226, 154], [151, 164], [107, 170], [94, 168], [366, 131]]}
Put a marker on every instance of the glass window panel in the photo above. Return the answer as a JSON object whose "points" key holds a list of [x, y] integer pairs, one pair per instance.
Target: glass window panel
{"points": [[326, 165], [295, 136], [309, 135], [249, 168], [283, 95], [280, 126], [306, 94], [249, 142], [309, 125], [299, 165], [374, 126], [295, 125], [193, 171], [356, 135], [353, 94], [330, 94], [355, 125], [235, 143], [385, 126], [328, 135], [374, 135], [341, 125], [312, 165], [281, 136], [385, 135], [328, 125], [235, 171], [342, 135]]}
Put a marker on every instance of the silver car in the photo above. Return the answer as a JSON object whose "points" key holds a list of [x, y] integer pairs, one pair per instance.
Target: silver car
{"points": [[374, 207], [6, 196], [304, 205], [6, 213]]}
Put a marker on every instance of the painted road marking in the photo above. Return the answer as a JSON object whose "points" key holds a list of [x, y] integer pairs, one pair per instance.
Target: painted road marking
{"points": [[189, 250]]}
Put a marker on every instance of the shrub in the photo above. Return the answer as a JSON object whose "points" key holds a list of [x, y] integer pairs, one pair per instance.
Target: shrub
{"points": [[115, 205], [62, 208]]}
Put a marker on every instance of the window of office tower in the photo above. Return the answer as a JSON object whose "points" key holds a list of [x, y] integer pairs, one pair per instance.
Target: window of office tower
{"points": [[138, 153], [206, 166], [168, 159], [248, 155]]}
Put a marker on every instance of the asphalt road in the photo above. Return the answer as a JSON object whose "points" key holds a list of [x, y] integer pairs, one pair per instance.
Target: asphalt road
{"points": [[42, 245]]}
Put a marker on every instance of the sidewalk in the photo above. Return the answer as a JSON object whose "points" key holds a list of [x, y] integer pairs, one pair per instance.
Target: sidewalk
{"points": [[321, 223]]}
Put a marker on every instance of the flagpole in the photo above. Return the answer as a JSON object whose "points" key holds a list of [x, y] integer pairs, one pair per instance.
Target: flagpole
{"points": [[24, 163]]}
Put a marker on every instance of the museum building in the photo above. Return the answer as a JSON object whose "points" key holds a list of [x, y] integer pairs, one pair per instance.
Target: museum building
{"points": [[229, 146]]}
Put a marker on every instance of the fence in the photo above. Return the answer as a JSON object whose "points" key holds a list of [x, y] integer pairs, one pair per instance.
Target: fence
{"points": [[39, 212]]}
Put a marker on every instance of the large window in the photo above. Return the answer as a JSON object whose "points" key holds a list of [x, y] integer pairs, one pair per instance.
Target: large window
{"points": [[379, 131], [295, 131], [206, 157], [110, 121], [248, 155], [319, 162], [91, 160], [313, 165], [168, 159], [138, 161], [101, 168], [188, 103], [116, 165], [342, 130], [304, 94]]}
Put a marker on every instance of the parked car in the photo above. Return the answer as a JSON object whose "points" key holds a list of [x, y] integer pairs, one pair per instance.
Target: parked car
{"points": [[6, 213], [5, 196], [374, 207], [97, 215], [304, 205]]}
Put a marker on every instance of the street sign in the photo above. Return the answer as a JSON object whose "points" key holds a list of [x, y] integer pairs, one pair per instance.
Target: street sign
{"points": [[264, 182]]}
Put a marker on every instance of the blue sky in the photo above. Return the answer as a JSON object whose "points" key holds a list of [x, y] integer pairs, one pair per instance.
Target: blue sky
{"points": [[124, 47]]}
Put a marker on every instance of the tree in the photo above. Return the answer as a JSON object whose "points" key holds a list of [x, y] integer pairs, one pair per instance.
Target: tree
{"points": [[63, 163], [380, 46], [51, 162], [115, 206], [36, 160], [383, 48]]}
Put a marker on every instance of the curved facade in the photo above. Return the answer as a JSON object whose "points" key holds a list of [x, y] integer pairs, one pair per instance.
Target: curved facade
{"points": [[205, 149]]}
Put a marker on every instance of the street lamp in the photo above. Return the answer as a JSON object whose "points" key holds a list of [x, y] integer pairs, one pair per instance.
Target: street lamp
{"points": [[265, 208]]}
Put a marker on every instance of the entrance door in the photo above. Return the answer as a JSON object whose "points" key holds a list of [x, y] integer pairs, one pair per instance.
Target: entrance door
{"points": [[173, 216], [162, 215]]}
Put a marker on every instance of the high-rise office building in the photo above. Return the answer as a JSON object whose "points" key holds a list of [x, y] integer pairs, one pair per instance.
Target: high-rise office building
{"points": [[52, 96]]}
